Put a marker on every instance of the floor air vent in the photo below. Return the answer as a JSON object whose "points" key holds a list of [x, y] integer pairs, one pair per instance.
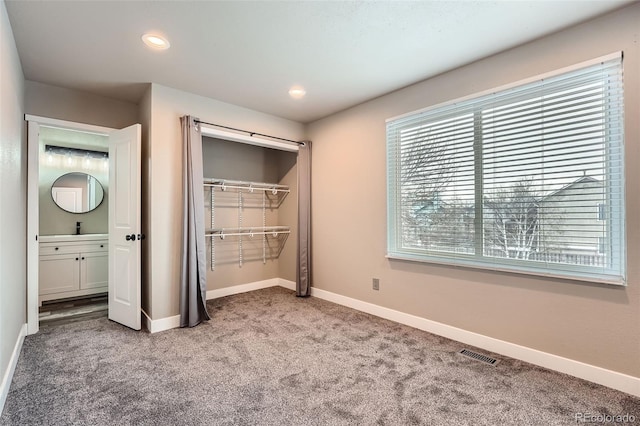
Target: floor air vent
{"points": [[478, 357]]}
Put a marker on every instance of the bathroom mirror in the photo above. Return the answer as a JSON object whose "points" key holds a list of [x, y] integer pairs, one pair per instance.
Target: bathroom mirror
{"points": [[77, 192]]}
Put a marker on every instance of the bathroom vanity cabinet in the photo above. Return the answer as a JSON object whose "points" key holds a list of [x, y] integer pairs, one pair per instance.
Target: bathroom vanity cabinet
{"points": [[72, 266]]}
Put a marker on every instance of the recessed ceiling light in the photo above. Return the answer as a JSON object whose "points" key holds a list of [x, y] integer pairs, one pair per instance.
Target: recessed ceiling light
{"points": [[297, 92], [155, 41]]}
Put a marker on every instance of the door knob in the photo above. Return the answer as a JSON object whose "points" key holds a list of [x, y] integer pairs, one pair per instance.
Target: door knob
{"points": [[131, 237]]}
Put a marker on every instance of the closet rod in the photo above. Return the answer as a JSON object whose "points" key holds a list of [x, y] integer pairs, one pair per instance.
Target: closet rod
{"points": [[249, 132], [235, 234], [223, 186], [250, 229], [244, 182], [265, 230]]}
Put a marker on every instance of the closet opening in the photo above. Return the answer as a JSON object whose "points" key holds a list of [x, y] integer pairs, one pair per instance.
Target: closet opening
{"points": [[251, 213]]}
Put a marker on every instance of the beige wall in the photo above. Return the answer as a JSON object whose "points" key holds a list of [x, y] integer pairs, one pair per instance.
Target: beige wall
{"points": [[74, 105], [13, 200], [595, 324], [164, 150], [144, 118]]}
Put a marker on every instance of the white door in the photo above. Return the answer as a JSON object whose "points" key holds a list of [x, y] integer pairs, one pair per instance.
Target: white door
{"points": [[124, 226]]}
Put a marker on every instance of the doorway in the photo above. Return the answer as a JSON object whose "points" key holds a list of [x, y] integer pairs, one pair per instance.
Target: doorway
{"points": [[73, 242], [73, 180]]}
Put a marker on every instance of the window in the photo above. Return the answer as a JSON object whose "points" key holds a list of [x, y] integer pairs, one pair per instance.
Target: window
{"points": [[508, 180]]}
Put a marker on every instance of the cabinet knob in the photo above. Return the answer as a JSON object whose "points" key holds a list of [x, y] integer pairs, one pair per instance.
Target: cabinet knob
{"points": [[101, 245], [83, 258], [57, 248], [76, 258]]}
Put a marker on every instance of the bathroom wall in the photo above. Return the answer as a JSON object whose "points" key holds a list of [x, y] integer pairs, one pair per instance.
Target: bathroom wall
{"points": [[53, 219]]}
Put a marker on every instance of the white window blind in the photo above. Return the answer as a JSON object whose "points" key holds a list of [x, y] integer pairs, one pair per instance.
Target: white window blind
{"points": [[526, 179]]}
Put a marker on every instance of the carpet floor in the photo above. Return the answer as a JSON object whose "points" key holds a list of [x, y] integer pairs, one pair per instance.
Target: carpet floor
{"points": [[269, 358]]}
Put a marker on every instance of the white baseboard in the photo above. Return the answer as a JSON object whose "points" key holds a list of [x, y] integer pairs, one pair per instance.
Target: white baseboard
{"points": [[291, 285], [162, 324], [612, 379], [242, 288], [11, 367]]}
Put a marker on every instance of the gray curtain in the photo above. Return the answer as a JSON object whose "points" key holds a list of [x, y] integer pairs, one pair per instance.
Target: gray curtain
{"points": [[303, 269], [193, 278]]}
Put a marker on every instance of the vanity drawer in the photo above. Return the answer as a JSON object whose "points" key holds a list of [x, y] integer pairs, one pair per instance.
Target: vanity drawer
{"points": [[98, 246], [47, 249]]}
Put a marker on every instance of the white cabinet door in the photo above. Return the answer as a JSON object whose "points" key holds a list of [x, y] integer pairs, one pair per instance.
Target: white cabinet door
{"points": [[94, 270], [124, 226], [73, 269], [59, 273]]}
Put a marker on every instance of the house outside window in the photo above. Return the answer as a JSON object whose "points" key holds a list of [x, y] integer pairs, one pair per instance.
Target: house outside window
{"points": [[602, 212], [602, 248], [508, 180]]}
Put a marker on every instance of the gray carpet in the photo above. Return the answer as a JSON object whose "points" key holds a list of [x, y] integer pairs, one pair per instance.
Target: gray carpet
{"points": [[269, 358]]}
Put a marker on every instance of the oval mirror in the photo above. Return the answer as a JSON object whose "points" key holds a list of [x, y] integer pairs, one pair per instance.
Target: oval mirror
{"points": [[77, 192]]}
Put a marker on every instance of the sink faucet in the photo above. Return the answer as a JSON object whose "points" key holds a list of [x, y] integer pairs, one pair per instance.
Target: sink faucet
{"points": [[78, 228]]}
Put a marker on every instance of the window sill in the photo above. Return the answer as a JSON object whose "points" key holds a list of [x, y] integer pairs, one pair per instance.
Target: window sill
{"points": [[617, 282]]}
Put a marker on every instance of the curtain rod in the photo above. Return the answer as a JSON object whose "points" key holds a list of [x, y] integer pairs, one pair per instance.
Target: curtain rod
{"points": [[249, 132]]}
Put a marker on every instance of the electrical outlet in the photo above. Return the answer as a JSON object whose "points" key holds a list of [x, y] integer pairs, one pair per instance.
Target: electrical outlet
{"points": [[376, 283]]}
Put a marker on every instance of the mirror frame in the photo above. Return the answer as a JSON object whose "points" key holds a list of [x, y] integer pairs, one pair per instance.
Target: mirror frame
{"points": [[77, 173]]}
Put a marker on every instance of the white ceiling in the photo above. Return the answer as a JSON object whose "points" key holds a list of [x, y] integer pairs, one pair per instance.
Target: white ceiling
{"points": [[250, 53]]}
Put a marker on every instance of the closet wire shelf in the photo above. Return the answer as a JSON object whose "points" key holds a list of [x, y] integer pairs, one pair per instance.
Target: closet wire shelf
{"points": [[273, 231], [267, 195], [275, 193]]}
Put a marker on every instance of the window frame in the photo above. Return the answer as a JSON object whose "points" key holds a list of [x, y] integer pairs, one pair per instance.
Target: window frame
{"points": [[616, 275]]}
